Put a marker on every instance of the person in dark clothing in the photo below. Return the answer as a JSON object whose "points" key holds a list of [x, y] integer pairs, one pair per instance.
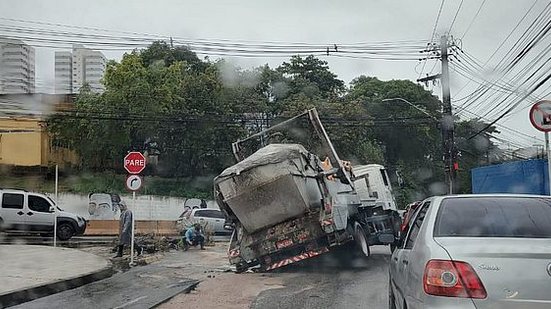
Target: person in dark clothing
{"points": [[194, 237], [125, 230]]}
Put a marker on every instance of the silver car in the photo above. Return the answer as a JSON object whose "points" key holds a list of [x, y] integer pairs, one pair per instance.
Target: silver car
{"points": [[475, 251], [212, 219]]}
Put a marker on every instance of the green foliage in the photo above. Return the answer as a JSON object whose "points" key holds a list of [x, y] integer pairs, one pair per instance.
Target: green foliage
{"points": [[311, 77], [191, 110]]}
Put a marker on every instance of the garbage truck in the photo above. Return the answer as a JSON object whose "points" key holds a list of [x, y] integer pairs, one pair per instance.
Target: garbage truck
{"points": [[285, 204]]}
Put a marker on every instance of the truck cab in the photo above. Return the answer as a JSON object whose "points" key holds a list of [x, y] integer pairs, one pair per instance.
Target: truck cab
{"points": [[372, 182]]}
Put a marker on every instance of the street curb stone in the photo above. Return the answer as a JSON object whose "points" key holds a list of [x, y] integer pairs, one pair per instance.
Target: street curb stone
{"points": [[24, 295]]}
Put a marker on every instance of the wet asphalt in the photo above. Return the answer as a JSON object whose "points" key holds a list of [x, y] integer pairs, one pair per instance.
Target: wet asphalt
{"points": [[332, 280]]}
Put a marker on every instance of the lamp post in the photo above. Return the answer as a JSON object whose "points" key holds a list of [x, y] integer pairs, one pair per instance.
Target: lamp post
{"points": [[412, 105], [449, 149]]}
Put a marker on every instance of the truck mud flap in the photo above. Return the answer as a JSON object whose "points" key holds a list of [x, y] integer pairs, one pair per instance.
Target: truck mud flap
{"points": [[297, 258]]}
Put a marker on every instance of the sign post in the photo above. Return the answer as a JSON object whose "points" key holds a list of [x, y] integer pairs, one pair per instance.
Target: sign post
{"points": [[134, 163], [55, 204], [540, 117]]}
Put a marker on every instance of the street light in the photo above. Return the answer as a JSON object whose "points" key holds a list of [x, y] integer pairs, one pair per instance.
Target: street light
{"points": [[447, 140], [412, 105]]}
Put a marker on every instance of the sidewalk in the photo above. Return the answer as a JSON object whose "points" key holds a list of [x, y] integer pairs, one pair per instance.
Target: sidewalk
{"points": [[29, 272]]}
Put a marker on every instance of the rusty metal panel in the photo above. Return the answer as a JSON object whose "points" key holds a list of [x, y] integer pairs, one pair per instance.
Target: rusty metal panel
{"points": [[281, 199]]}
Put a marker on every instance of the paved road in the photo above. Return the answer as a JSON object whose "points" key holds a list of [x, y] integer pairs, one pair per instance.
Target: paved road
{"points": [[332, 281], [144, 286], [74, 242]]}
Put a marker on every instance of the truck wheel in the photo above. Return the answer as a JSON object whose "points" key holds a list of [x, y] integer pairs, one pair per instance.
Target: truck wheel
{"points": [[65, 231], [361, 241]]}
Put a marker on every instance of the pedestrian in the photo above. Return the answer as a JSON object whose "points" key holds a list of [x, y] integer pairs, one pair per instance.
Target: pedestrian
{"points": [[194, 237], [125, 230]]}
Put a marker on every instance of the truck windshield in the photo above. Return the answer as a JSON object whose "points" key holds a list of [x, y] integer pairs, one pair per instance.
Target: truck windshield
{"points": [[524, 217], [385, 179]]}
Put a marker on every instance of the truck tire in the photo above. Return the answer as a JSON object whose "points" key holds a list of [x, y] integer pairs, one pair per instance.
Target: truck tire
{"points": [[65, 231], [361, 240]]}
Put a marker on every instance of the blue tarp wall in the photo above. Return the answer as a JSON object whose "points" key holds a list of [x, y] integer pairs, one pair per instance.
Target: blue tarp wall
{"points": [[529, 177]]}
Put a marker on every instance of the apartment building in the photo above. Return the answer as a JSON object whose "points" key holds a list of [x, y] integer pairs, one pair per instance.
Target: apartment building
{"points": [[82, 66], [17, 67]]}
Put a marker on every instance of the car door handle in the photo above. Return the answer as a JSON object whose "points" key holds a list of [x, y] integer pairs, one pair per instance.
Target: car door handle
{"points": [[405, 262], [20, 213], [217, 220], [30, 213]]}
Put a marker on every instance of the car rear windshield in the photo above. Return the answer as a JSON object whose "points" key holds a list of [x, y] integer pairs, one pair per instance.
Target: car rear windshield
{"points": [[528, 217]]}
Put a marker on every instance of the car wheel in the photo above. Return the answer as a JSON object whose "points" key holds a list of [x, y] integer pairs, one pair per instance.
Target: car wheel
{"points": [[361, 241], [391, 298], [65, 231]]}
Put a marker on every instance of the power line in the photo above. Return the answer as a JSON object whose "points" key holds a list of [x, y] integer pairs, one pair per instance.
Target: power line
{"points": [[432, 36], [513, 106], [472, 20], [455, 16]]}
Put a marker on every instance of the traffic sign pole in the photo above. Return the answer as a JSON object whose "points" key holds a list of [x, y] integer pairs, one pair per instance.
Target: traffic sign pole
{"points": [[132, 238], [134, 163], [548, 161], [540, 117], [56, 203]]}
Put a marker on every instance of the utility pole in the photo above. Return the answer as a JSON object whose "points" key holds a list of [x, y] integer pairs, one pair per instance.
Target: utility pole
{"points": [[447, 122]]}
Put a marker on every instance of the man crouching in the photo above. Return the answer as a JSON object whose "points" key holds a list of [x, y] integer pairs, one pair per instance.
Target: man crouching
{"points": [[194, 237]]}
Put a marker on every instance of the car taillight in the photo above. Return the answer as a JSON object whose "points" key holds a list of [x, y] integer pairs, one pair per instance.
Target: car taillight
{"points": [[452, 279]]}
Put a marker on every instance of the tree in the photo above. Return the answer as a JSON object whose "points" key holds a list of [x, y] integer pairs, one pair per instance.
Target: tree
{"points": [[170, 103], [311, 77], [192, 110], [411, 139], [474, 152], [161, 52]]}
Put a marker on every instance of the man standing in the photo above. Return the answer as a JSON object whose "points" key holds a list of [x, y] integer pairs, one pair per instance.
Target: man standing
{"points": [[194, 237], [125, 230]]}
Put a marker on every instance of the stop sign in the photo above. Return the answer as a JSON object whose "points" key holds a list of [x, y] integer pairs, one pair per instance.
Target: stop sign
{"points": [[134, 162]]}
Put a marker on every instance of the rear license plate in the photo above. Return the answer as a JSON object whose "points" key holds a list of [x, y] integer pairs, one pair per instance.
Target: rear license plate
{"points": [[284, 243]]}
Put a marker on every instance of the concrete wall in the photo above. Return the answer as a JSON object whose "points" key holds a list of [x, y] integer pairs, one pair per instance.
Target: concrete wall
{"points": [[147, 207]]}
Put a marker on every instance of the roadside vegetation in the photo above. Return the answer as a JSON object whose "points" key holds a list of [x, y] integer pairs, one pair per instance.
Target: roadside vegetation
{"points": [[183, 113]]}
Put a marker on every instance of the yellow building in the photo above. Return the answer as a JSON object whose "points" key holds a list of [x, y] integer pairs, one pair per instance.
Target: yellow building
{"points": [[24, 140]]}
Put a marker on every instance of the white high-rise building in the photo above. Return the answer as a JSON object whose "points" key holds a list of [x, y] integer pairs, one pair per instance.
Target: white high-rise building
{"points": [[17, 73], [63, 72], [81, 67]]}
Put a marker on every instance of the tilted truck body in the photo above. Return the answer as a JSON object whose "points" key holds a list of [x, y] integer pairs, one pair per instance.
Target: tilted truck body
{"points": [[286, 205]]}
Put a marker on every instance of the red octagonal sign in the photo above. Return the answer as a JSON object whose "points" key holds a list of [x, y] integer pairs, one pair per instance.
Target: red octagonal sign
{"points": [[134, 162]]}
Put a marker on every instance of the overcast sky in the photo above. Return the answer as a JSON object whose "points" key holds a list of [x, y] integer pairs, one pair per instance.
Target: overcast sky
{"points": [[309, 21]]}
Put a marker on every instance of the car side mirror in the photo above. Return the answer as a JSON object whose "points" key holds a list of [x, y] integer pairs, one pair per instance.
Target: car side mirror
{"points": [[52, 209]]}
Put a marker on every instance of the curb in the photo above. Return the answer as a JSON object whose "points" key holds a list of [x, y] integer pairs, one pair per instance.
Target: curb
{"points": [[26, 295]]}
